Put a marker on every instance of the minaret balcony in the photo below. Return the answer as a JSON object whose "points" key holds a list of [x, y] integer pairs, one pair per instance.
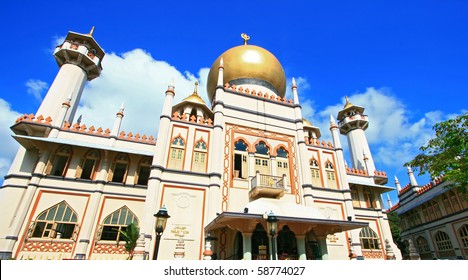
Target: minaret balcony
{"points": [[353, 122], [267, 186]]}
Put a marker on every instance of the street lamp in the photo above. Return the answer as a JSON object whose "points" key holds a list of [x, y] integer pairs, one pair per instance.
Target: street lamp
{"points": [[272, 227], [161, 220]]}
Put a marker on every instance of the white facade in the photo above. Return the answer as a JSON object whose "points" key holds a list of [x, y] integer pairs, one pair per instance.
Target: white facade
{"points": [[216, 169]]}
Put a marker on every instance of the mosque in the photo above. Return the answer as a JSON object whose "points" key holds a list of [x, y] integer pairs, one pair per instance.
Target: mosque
{"points": [[245, 177]]}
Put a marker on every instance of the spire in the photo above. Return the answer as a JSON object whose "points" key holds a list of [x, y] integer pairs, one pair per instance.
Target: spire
{"points": [[118, 121], [397, 184], [332, 120], [91, 32], [195, 90], [389, 201], [348, 104], [411, 177], [220, 73], [294, 92]]}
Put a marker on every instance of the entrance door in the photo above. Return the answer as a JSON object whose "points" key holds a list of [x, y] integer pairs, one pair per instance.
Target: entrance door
{"points": [[260, 248]]}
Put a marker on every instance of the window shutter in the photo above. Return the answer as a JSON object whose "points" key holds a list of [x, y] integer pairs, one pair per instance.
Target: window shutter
{"points": [[111, 172], [31, 229], [79, 169], [137, 175], [98, 234], [75, 233], [50, 163]]}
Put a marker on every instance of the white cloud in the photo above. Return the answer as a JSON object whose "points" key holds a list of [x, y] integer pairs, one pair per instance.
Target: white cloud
{"points": [[140, 82], [36, 88], [9, 146], [393, 137]]}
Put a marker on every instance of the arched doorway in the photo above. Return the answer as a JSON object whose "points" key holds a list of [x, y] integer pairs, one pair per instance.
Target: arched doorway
{"points": [[260, 248], [238, 247], [287, 245]]}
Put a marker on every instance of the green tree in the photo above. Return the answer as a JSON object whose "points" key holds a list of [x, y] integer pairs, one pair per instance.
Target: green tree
{"points": [[395, 228], [446, 153], [130, 236]]}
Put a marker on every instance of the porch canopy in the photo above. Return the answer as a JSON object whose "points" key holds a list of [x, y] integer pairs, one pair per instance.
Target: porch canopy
{"points": [[300, 219]]}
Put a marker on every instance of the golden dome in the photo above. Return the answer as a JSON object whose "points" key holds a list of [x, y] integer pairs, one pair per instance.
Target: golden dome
{"points": [[248, 64]]}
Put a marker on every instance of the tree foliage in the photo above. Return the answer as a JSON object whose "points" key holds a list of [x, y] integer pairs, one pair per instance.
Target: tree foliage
{"points": [[130, 235], [446, 153]]}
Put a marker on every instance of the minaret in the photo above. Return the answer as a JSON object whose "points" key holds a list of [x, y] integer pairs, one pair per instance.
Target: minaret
{"points": [[413, 182], [303, 158], [79, 58], [389, 201], [397, 184], [118, 121], [154, 183], [352, 123]]}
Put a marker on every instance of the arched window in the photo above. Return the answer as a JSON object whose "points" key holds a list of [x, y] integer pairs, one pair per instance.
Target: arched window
{"points": [[58, 162], [199, 160], [315, 172], [176, 154], [463, 232], [59, 221], [443, 241], [88, 165], [282, 163], [369, 239], [241, 166], [423, 246], [119, 169], [143, 172], [331, 175], [115, 223], [262, 158]]}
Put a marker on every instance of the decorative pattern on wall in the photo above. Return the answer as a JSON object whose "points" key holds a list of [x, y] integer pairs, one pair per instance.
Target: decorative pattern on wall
{"points": [[109, 249], [48, 246], [372, 254]]}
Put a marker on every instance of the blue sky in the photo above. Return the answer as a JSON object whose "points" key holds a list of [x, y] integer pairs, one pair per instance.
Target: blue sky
{"points": [[405, 61]]}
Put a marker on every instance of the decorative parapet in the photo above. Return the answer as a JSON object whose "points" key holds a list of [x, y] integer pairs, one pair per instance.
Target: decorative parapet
{"points": [[316, 142], [354, 171], [380, 173], [432, 184], [192, 119], [33, 119], [137, 138], [394, 207], [83, 129], [405, 189], [260, 94]]}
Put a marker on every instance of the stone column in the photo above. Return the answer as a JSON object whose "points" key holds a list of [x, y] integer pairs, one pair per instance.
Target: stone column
{"points": [[247, 244], [301, 247]]}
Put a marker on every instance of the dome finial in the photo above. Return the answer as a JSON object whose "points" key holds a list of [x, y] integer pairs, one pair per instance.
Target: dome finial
{"points": [[348, 104], [245, 37], [195, 90]]}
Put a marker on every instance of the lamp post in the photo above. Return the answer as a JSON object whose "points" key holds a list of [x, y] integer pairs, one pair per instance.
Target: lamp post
{"points": [[161, 220], [272, 227]]}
